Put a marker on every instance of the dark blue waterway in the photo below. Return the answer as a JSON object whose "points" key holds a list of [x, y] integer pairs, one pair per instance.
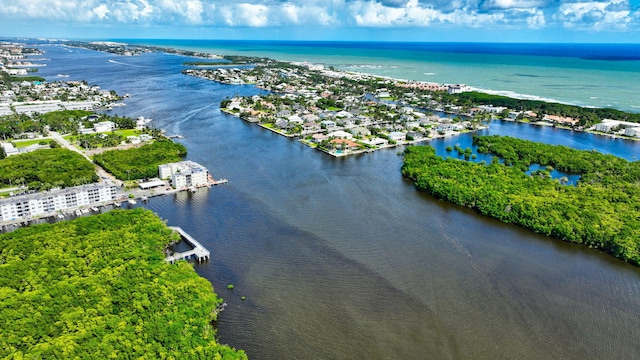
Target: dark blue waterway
{"points": [[343, 259]]}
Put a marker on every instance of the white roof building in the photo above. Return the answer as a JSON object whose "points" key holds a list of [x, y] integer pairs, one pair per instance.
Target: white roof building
{"points": [[47, 203], [184, 174]]}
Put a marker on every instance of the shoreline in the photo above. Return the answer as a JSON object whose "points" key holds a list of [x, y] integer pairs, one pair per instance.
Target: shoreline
{"points": [[206, 53]]}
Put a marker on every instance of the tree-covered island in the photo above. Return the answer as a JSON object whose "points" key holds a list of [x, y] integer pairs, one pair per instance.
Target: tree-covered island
{"points": [[99, 288], [601, 211]]}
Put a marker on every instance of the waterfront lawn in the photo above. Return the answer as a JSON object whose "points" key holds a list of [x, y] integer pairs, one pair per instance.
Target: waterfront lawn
{"points": [[46, 168], [601, 211], [98, 287], [142, 162]]}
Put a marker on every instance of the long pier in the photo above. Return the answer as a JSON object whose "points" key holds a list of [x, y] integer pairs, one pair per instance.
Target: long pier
{"points": [[198, 250]]}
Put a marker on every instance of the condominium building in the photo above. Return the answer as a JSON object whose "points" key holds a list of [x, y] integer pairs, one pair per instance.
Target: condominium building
{"points": [[184, 174], [43, 203]]}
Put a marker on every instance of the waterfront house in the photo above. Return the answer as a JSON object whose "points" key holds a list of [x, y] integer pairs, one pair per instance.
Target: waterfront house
{"points": [[344, 144], [282, 123], [397, 136], [318, 138], [310, 126], [376, 141], [561, 120], [445, 127], [340, 135]]}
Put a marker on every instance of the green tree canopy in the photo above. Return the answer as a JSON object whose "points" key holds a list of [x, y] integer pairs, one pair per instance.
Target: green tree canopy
{"points": [[98, 287]]}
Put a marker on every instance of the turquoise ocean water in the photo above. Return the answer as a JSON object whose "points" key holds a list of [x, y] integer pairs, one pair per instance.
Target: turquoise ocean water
{"points": [[600, 75]]}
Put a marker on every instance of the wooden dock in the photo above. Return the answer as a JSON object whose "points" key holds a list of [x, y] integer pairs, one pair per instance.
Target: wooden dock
{"points": [[198, 251]]}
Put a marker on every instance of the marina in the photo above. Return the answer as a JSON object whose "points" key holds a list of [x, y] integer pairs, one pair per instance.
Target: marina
{"points": [[130, 196]]}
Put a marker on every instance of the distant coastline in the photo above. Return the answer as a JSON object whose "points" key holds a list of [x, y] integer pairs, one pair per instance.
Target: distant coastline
{"points": [[590, 75]]}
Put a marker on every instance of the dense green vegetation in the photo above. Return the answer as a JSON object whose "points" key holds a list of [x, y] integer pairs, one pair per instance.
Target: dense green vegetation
{"points": [[585, 115], [601, 211], [8, 79], [47, 168], [142, 162], [94, 141], [98, 287], [63, 121]]}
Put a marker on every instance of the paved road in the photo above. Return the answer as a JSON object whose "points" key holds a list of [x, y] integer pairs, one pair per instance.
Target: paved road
{"points": [[104, 176]]}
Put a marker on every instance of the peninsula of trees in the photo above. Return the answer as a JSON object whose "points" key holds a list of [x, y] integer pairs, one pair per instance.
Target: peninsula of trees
{"points": [[601, 211], [98, 287]]}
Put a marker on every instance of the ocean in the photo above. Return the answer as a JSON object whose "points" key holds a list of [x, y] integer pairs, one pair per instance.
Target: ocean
{"points": [[597, 75], [345, 259]]}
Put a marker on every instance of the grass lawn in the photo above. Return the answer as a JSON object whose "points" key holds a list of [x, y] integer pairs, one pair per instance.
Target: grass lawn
{"points": [[128, 132], [5, 193], [24, 143]]}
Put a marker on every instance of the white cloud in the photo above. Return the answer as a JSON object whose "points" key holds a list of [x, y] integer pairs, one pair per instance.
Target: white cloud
{"points": [[595, 14], [574, 14], [101, 11], [514, 4], [194, 11], [536, 19]]}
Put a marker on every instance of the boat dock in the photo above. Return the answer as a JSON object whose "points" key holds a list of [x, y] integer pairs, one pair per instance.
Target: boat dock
{"points": [[212, 181], [198, 251]]}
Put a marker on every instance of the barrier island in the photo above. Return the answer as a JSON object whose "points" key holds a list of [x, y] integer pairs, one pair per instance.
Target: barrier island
{"points": [[99, 287], [601, 211]]}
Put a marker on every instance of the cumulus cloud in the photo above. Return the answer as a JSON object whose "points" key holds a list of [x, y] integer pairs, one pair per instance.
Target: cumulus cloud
{"points": [[514, 4], [601, 14], [595, 14]]}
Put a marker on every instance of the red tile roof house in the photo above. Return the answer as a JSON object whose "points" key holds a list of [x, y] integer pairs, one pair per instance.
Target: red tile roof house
{"points": [[345, 144]]}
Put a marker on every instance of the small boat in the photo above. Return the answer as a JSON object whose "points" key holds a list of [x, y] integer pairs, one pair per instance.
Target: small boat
{"points": [[84, 211], [192, 189], [144, 198], [95, 209], [116, 204], [78, 212], [60, 216], [132, 201]]}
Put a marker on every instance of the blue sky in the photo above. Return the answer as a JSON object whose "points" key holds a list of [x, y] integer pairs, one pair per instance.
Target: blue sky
{"points": [[383, 20]]}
